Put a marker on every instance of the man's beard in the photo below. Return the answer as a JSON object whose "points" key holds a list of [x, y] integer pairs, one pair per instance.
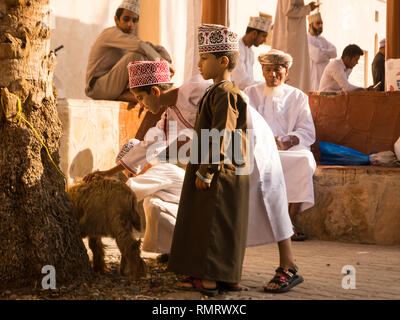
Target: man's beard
{"points": [[273, 91], [317, 32]]}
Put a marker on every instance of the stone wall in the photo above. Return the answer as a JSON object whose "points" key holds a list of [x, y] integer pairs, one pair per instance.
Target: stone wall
{"points": [[354, 204]]}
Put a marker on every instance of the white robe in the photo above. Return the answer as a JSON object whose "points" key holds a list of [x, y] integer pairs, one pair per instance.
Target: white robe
{"points": [[336, 77], [321, 51], [269, 220], [290, 114], [290, 36], [160, 188], [243, 75]]}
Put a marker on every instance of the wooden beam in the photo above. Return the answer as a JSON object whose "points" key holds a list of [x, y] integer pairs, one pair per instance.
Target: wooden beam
{"points": [[215, 12], [393, 29]]}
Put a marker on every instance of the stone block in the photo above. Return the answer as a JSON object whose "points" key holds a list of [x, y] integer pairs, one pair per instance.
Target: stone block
{"points": [[354, 204]]}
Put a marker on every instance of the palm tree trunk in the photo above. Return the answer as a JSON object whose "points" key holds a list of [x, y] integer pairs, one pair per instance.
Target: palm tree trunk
{"points": [[37, 225]]}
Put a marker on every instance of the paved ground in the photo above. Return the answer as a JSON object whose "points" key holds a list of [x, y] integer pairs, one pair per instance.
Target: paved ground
{"points": [[377, 276], [377, 272]]}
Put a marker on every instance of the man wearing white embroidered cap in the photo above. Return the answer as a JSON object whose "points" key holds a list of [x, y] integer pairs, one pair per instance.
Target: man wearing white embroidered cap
{"points": [[287, 112], [321, 50], [256, 34], [106, 75], [159, 186]]}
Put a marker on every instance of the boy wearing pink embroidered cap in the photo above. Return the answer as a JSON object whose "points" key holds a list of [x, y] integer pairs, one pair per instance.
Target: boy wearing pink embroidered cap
{"points": [[211, 229], [150, 83]]}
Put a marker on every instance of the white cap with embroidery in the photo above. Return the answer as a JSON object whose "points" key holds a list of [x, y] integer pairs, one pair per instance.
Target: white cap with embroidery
{"points": [[131, 5]]}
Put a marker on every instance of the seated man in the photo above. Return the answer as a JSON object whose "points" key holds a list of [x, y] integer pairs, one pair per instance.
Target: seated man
{"points": [[107, 75], [287, 112], [336, 74]]}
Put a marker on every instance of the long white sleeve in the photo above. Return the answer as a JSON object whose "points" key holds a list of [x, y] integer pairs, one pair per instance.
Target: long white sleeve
{"points": [[297, 9], [304, 128]]}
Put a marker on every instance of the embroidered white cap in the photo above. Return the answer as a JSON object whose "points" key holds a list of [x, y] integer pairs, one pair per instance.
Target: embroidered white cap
{"points": [[262, 22], [131, 5]]}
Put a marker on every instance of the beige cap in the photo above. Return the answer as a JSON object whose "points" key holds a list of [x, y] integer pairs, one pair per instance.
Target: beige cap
{"points": [[316, 17], [276, 57]]}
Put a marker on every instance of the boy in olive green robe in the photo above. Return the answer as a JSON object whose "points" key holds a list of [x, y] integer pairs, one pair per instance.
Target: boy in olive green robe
{"points": [[211, 229]]}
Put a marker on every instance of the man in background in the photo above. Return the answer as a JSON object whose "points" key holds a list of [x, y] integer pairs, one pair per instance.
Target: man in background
{"points": [[378, 67], [256, 34], [336, 74], [321, 50], [290, 35]]}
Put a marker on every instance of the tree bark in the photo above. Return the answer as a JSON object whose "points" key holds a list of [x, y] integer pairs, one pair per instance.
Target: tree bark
{"points": [[37, 225]]}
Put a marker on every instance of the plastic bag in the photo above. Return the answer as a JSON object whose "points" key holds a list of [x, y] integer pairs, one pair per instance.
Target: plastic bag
{"points": [[333, 154], [397, 149]]}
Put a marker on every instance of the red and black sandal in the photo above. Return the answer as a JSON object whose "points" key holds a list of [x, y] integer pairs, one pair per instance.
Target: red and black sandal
{"points": [[197, 285], [286, 279]]}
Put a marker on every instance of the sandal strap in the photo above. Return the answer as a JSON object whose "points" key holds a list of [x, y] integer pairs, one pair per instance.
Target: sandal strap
{"points": [[290, 273], [284, 277]]}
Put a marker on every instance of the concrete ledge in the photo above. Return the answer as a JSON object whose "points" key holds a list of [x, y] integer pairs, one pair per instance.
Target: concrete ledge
{"points": [[354, 204], [94, 131]]}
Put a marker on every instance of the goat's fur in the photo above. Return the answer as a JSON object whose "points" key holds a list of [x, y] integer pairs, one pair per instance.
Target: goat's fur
{"points": [[108, 208]]}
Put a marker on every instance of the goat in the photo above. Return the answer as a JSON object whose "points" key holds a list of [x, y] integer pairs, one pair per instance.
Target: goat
{"points": [[107, 207]]}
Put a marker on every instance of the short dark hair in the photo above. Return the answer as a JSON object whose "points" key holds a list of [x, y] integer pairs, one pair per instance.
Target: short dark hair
{"points": [[147, 89], [233, 57], [119, 12], [352, 50], [250, 29]]}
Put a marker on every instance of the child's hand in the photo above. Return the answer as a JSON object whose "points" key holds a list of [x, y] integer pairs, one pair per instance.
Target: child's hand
{"points": [[90, 176], [201, 185]]}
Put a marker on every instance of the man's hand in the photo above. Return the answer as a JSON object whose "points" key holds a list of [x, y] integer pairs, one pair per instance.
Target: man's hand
{"points": [[201, 185], [372, 88], [282, 145], [287, 144], [314, 5]]}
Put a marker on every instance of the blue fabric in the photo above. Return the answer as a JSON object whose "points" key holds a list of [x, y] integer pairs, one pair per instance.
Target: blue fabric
{"points": [[333, 154]]}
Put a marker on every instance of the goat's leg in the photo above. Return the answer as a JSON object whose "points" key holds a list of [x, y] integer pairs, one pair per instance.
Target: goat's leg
{"points": [[123, 266], [97, 248]]}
